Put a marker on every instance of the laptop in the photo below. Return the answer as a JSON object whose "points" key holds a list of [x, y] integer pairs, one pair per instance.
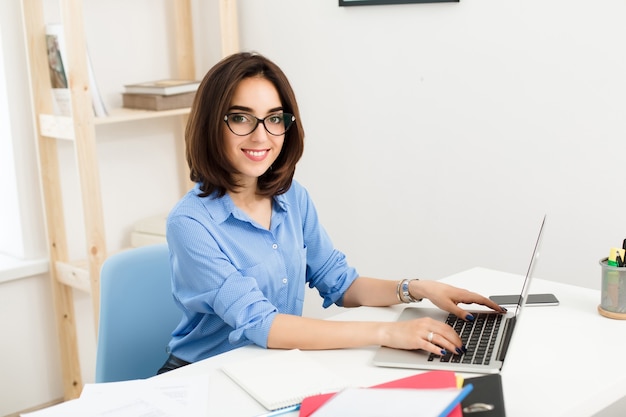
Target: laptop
{"points": [[487, 338]]}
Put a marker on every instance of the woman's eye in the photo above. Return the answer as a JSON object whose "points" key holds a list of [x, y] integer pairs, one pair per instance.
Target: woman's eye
{"points": [[275, 119], [240, 118]]}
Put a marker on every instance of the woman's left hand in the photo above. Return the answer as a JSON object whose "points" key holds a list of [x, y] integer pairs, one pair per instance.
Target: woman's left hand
{"points": [[447, 297]]}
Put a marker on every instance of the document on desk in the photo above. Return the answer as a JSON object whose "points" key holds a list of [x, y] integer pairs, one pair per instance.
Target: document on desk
{"points": [[158, 397], [283, 378], [397, 402]]}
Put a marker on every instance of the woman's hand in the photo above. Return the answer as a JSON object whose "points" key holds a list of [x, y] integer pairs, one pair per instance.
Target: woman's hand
{"points": [[425, 333], [433, 335], [447, 297]]}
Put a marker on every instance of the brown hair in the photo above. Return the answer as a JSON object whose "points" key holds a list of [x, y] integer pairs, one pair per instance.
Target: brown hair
{"points": [[204, 135]]}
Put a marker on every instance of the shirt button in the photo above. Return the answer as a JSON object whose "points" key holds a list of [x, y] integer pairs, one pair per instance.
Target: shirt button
{"points": [[274, 246], [284, 280]]}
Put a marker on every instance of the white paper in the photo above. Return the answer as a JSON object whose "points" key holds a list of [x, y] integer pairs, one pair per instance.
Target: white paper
{"points": [[155, 397], [378, 402], [283, 378]]}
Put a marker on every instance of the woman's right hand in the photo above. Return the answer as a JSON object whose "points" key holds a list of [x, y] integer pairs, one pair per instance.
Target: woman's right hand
{"points": [[424, 333]]}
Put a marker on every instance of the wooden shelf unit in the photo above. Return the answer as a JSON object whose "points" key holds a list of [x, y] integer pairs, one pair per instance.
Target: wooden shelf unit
{"points": [[84, 275]]}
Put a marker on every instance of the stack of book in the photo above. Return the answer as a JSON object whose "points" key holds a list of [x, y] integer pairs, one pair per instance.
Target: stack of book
{"points": [[160, 95], [291, 380]]}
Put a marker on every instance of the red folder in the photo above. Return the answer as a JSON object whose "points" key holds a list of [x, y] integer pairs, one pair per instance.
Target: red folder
{"points": [[431, 379]]}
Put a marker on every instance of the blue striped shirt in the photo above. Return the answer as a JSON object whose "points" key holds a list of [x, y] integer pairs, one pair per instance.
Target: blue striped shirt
{"points": [[230, 276]]}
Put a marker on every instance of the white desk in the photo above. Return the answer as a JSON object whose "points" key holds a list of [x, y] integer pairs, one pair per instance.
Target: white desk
{"points": [[563, 361]]}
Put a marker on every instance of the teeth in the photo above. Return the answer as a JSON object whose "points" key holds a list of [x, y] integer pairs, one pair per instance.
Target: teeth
{"points": [[256, 153]]}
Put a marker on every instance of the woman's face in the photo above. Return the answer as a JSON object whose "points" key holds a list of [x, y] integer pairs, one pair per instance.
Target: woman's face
{"points": [[252, 154]]}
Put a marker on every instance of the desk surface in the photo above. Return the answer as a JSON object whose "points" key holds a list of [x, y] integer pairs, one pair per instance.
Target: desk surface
{"points": [[563, 361]]}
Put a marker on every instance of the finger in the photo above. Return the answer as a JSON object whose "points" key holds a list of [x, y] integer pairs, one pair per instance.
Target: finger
{"points": [[459, 312], [433, 342], [487, 302], [494, 306], [449, 339], [440, 345]]}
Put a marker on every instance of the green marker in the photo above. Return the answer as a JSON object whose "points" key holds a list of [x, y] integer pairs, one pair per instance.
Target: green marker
{"points": [[614, 255], [612, 280]]}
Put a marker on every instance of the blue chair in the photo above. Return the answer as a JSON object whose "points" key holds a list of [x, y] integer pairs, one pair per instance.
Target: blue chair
{"points": [[137, 314]]}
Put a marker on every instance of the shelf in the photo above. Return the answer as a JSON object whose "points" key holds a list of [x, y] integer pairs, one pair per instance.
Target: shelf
{"points": [[121, 115], [81, 130], [62, 127], [74, 274]]}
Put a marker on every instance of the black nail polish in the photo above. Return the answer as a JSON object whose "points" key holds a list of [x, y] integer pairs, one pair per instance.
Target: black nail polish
{"points": [[464, 348], [469, 317], [459, 351], [503, 309], [444, 352]]}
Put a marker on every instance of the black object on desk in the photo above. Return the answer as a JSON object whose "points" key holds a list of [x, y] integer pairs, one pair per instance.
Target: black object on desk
{"points": [[486, 399]]}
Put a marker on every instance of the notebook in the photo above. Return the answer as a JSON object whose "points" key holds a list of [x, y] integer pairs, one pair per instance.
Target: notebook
{"points": [[283, 378], [484, 355], [486, 399], [398, 402], [425, 380]]}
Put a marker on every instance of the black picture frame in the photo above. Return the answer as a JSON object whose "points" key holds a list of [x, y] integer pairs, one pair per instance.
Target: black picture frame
{"points": [[344, 3]]}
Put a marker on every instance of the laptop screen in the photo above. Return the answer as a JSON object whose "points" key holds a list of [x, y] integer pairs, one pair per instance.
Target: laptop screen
{"points": [[533, 261]]}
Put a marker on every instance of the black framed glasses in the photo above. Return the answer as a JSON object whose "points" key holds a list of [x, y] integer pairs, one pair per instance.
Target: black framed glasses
{"points": [[242, 124]]}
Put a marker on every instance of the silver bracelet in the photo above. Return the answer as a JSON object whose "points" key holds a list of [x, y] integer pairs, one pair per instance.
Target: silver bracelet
{"points": [[398, 292], [404, 295]]}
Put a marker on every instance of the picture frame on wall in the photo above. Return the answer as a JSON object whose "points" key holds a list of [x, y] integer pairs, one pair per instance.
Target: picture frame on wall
{"points": [[382, 2]]}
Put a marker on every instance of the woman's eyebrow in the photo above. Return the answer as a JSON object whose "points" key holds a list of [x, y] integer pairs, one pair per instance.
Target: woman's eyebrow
{"points": [[241, 108], [249, 110]]}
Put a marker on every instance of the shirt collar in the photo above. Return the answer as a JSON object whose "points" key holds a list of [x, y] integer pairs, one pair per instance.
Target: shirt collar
{"points": [[221, 208]]}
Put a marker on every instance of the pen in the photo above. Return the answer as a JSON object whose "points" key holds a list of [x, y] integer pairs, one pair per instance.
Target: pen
{"points": [[281, 411]]}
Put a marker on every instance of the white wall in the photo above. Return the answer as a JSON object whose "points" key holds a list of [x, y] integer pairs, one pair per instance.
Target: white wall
{"points": [[437, 134]]}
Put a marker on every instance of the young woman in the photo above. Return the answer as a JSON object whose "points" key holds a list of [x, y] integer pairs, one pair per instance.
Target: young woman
{"points": [[247, 239]]}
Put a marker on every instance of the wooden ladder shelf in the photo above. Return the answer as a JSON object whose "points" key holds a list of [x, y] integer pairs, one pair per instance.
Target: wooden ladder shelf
{"points": [[67, 275]]}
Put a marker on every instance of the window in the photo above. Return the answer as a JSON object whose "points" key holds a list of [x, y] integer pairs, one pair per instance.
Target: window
{"points": [[22, 240], [11, 239]]}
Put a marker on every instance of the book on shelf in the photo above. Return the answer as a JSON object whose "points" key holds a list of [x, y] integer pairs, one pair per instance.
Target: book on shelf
{"points": [[58, 76], [57, 59], [99, 109], [163, 87], [156, 101]]}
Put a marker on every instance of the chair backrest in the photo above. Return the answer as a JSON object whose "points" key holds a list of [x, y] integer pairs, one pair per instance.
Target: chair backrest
{"points": [[137, 314]]}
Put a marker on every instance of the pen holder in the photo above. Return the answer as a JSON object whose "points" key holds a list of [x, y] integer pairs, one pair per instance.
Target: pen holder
{"points": [[613, 294]]}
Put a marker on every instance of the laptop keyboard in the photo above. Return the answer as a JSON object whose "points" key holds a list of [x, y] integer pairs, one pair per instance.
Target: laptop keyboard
{"points": [[479, 336]]}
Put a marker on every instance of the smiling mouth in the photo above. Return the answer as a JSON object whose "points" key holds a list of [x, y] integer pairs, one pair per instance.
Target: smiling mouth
{"points": [[256, 154]]}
